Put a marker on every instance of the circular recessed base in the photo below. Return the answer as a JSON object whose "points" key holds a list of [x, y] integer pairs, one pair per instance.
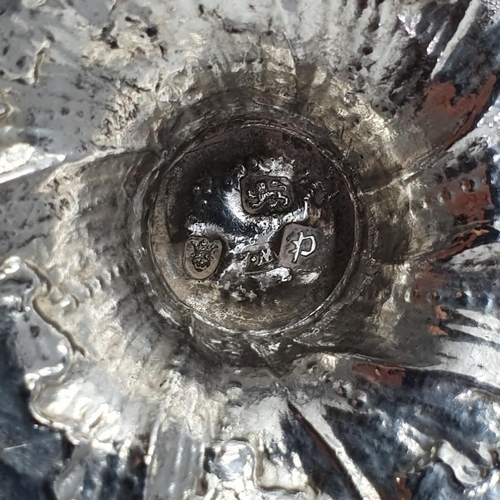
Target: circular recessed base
{"points": [[254, 228]]}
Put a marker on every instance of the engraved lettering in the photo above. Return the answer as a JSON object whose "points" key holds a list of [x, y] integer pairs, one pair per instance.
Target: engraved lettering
{"points": [[260, 261], [265, 257]]}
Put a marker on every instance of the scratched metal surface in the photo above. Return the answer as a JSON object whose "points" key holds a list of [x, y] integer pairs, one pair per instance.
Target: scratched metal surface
{"points": [[112, 389]]}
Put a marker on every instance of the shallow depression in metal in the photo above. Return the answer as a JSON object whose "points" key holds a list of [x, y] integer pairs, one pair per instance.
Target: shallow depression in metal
{"points": [[254, 227]]}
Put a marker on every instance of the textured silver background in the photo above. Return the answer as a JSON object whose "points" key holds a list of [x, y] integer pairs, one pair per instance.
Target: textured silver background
{"points": [[105, 394]]}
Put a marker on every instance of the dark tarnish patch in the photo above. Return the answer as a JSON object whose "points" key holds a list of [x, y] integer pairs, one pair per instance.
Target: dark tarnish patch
{"points": [[379, 374], [453, 117]]}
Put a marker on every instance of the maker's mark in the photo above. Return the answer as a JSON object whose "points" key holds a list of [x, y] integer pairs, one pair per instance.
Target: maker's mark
{"points": [[260, 261]]}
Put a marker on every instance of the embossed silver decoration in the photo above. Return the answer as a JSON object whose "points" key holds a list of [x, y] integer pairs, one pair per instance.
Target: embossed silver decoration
{"points": [[249, 251]]}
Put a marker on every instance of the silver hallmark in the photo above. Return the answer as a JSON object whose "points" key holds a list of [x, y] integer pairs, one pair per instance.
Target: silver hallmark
{"points": [[265, 194], [260, 261], [201, 256], [299, 245]]}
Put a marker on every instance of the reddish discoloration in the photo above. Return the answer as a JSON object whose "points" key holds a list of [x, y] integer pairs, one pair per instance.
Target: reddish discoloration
{"points": [[426, 283], [495, 459], [462, 242], [447, 118], [379, 374], [403, 492], [468, 195], [435, 331], [440, 314]]}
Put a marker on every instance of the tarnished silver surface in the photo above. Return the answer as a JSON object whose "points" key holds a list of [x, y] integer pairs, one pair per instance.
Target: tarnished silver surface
{"points": [[255, 231], [249, 250]]}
